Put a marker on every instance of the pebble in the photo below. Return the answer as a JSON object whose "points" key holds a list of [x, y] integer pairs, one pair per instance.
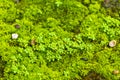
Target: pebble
{"points": [[115, 72], [14, 36], [84, 59], [33, 42], [112, 43], [17, 26]]}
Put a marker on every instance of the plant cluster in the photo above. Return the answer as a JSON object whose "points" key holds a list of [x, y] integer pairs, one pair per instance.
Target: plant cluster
{"points": [[59, 40]]}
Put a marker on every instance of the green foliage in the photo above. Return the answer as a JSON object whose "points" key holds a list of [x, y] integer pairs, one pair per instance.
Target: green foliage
{"points": [[71, 40]]}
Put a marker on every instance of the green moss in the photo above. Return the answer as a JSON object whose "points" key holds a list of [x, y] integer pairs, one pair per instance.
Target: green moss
{"points": [[71, 40]]}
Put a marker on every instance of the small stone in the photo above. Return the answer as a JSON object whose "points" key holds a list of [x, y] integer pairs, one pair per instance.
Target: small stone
{"points": [[17, 26], [115, 72], [112, 43], [14, 36], [33, 42], [84, 59], [17, 1]]}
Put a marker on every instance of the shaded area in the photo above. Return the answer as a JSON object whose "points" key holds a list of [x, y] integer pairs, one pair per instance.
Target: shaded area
{"points": [[2, 66], [93, 76]]}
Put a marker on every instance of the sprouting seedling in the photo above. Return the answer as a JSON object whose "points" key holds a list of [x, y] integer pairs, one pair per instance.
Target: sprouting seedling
{"points": [[112, 43], [58, 3]]}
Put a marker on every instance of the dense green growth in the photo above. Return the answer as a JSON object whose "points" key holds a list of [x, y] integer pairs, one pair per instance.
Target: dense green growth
{"points": [[59, 39]]}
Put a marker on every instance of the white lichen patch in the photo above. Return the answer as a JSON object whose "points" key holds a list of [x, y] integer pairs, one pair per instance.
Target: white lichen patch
{"points": [[14, 36], [112, 43]]}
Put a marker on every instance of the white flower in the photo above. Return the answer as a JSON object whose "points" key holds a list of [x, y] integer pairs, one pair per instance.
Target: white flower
{"points": [[14, 36], [112, 43]]}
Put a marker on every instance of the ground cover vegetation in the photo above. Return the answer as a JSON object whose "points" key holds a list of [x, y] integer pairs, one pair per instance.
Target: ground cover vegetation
{"points": [[59, 39]]}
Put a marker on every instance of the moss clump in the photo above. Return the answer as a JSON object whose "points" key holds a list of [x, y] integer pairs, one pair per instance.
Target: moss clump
{"points": [[59, 40]]}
